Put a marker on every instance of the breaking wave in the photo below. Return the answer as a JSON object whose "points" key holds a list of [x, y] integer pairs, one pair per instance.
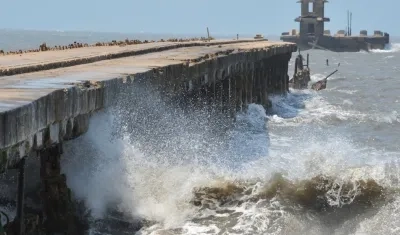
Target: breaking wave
{"points": [[307, 106], [175, 172], [389, 48]]}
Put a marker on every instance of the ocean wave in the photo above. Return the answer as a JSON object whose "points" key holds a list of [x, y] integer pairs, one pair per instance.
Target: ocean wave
{"points": [[320, 193], [318, 76], [302, 107], [314, 184], [318, 205], [392, 117], [179, 173], [390, 48]]}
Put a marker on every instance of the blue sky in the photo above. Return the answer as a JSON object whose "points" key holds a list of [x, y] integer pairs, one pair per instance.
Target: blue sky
{"points": [[269, 17]]}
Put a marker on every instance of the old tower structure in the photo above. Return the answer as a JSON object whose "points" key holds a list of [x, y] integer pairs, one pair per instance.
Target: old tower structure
{"points": [[312, 18], [313, 35]]}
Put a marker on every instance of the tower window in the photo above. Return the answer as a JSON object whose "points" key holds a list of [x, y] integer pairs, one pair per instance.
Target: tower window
{"points": [[310, 7]]}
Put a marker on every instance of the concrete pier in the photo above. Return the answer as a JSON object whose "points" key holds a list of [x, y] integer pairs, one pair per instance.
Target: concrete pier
{"points": [[39, 110], [43, 108]]}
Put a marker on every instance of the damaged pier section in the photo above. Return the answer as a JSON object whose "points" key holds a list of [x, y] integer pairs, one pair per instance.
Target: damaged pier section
{"points": [[41, 110]]}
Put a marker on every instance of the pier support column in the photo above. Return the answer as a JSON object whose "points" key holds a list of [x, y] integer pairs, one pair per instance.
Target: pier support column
{"points": [[269, 79], [239, 93], [210, 96], [249, 86], [20, 225], [232, 97], [218, 96], [204, 96], [263, 86], [199, 97], [225, 95], [278, 78], [268, 88], [56, 196], [273, 77], [245, 91], [286, 74], [257, 85]]}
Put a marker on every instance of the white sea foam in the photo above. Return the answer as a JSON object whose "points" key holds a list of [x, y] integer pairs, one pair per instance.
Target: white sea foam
{"points": [[119, 174], [390, 48]]}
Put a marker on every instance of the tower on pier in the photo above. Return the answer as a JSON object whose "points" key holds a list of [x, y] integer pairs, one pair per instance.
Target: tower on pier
{"points": [[312, 17]]}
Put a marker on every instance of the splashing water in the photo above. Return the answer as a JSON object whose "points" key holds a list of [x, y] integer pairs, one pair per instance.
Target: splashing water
{"points": [[316, 163], [176, 170], [390, 48]]}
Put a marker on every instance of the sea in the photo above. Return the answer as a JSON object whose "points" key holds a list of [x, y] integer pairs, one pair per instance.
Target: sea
{"points": [[315, 163]]}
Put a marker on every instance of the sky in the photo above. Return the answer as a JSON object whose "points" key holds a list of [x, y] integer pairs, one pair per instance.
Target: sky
{"points": [[268, 17]]}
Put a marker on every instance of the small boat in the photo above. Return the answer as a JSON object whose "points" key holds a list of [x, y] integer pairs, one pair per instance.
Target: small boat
{"points": [[259, 36]]}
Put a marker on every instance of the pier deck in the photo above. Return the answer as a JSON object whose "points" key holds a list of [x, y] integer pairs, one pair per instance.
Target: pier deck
{"points": [[39, 105]]}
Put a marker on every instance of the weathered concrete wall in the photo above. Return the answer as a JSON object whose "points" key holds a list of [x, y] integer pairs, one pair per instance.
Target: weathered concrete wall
{"points": [[247, 75]]}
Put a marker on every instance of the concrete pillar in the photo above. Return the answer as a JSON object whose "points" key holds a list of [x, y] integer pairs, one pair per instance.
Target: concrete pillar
{"points": [[257, 84], [286, 74], [209, 96], [251, 85], [263, 85], [269, 78], [267, 84], [273, 76], [218, 95], [283, 76], [225, 94], [20, 218], [232, 96], [213, 94], [277, 76], [56, 196], [239, 93], [244, 91], [202, 96]]}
